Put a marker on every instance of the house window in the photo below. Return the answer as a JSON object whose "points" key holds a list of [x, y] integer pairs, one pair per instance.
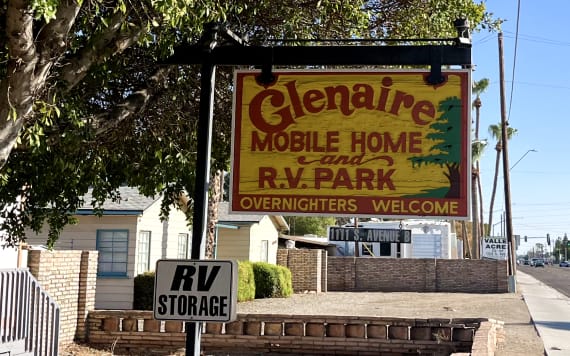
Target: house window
{"points": [[113, 252], [264, 253], [183, 248], [143, 252], [385, 249]]}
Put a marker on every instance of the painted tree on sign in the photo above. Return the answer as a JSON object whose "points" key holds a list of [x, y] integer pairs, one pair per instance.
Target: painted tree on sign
{"points": [[446, 149]]}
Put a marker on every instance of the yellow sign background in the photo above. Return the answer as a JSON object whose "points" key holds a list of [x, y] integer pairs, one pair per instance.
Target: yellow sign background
{"points": [[339, 147]]}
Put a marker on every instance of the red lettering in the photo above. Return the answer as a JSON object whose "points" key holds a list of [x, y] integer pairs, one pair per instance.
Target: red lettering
{"points": [[423, 107], [267, 175], [291, 105], [399, 99], [310, 98], [277, 99]]}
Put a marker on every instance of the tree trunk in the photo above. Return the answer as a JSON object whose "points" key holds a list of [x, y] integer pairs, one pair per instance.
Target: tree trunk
{"points": [[482, 229], [466, 249], [475, 214], [213, 204], [453, 176], [498, 148], [20, 84]]}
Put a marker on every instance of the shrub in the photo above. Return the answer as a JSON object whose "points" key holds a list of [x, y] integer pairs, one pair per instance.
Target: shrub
{"points": [[246, 281], [272, 281], [143, 291], [285, 285]]}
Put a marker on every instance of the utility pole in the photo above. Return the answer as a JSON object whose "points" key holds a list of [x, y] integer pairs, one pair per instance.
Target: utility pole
{"points": [[506, 176]]}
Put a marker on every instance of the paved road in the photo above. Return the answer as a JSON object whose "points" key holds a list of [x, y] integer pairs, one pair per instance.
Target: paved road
{"points": [[553, 276]]}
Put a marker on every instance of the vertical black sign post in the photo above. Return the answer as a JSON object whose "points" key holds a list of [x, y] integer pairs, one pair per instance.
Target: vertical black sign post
{"points": [[204, 150]]}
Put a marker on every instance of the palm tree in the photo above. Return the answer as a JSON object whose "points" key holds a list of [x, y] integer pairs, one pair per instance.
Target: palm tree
{"points": [[467, 249], [477, 148], [496, 132], [476, 151]]}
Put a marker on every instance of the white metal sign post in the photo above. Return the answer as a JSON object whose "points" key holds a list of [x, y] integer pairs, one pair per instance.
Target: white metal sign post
{"points": [[195, 290]]}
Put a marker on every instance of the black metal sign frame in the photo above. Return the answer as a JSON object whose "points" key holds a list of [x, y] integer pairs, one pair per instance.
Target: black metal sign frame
{"points": [[208, 55]]}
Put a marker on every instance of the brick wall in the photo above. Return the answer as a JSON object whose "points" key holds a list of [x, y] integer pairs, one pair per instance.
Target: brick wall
{"points": [[416, 275], [69, 277], [307, 267], [136, 331]]}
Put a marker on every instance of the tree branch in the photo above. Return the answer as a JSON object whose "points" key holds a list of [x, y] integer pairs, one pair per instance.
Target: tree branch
{"points": [[53, 37], [132, 105], [108, 43], [16, 90]]}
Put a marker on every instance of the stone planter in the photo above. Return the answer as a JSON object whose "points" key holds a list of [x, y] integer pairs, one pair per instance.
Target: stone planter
{"points": [[130, 324], [111, 324], [173, 326], [151, 325], [214, 328]]}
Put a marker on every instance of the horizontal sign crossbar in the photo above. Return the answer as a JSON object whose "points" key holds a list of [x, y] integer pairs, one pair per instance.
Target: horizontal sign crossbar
{"points": [[322, 55]]}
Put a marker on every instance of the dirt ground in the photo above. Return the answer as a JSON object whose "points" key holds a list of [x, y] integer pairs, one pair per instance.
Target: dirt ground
{"points": [[521, 337]]}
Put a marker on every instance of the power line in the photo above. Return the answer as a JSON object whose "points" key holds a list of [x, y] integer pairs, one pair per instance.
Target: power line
{"points": [[536, 39], [514, 58]]}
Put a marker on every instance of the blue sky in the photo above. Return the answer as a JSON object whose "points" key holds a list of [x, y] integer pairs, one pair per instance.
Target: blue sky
{"points": [[536, 102]]}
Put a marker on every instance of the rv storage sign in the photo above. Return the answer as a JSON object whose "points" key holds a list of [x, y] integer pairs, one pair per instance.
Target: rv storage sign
{"points": [[195, 290]]}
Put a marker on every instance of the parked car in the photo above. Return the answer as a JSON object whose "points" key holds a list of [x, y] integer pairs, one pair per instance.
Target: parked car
{"points": [[532, 261], [564, 264], [539, 263]]}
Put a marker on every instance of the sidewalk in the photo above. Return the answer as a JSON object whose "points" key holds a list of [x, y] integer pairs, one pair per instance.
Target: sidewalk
{"points": [[550, 312]]}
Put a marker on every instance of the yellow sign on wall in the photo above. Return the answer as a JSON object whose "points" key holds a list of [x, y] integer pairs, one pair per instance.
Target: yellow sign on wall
{"points": [[347, 143]]}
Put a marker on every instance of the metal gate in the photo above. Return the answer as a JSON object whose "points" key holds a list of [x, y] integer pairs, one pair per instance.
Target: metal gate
{"points": [[29, 317]]}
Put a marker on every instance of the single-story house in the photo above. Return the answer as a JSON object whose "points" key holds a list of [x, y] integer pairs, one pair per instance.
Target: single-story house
{"points": [[248, 237], [130, 238]]}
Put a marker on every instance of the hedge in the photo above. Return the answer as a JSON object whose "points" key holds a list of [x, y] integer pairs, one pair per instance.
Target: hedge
{"points": [[246, 282], [255, 280], [272, 281]]}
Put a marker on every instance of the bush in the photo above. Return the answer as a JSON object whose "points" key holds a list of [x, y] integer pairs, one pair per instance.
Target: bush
{"points": [[143, 291], [246, 281], [285, 281], [272, 281]]}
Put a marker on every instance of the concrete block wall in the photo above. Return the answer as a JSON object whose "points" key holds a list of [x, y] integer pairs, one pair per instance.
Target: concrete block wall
{"points": [[137, 331], [69, 277], [416, 275], [87, 289], [306, 267]]}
